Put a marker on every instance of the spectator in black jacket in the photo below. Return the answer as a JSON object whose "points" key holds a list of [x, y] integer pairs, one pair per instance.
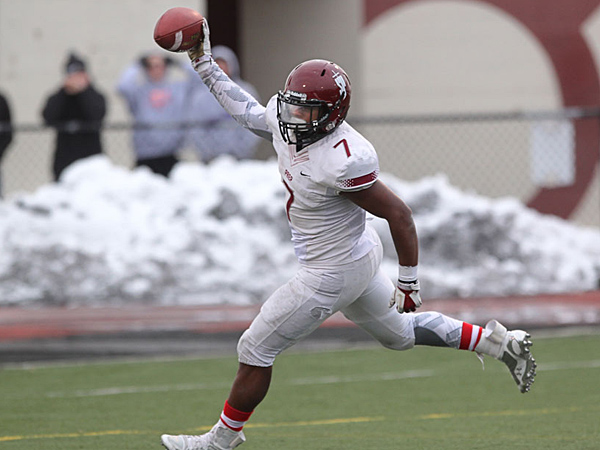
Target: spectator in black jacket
{"points": [[76, 110], [5, 130]]}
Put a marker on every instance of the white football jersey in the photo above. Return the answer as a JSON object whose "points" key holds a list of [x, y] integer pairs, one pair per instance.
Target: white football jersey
{"points": [[327, 229]]}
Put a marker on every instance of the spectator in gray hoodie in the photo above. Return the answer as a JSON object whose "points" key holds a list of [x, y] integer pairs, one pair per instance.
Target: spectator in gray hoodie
{"points": [[157, 101], [214, 131]]}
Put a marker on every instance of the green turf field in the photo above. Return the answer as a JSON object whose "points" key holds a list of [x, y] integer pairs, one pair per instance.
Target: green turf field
{"points": [[426, 398]]}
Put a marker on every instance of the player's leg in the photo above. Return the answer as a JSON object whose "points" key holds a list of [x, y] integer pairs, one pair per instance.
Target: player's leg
{"points": [[294, 311], [402, 331], [250, 387]]}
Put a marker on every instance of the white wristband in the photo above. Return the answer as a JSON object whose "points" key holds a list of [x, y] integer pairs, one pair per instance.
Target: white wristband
{"points": [[407, 273]]}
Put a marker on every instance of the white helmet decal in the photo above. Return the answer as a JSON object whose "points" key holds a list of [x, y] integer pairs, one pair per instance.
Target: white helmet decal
{"points": [[339, 80]]}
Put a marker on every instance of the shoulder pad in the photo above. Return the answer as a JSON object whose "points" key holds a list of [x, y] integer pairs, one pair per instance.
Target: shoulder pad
{"points": [[349, 162]]}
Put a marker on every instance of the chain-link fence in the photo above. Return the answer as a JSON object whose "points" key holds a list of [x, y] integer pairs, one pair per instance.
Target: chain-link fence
{"points": [[498, 155], [493, 155]]}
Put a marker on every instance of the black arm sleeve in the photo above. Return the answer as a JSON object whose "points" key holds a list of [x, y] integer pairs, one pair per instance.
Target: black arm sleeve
{"points": [[93, 104], [86, 106], [54, 110], [6, 133]]}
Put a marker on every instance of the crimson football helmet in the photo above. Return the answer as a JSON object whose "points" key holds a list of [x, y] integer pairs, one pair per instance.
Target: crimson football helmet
{"points": [[313, 103]]}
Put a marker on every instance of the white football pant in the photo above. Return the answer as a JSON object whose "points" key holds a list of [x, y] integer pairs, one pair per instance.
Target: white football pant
{"points": [[360, 290]]}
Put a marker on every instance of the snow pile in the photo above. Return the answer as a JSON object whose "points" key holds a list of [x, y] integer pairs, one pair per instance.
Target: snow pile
{"points": [[474, 246], [213, 234]]}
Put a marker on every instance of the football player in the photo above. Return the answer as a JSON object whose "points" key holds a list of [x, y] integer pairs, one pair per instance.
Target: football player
{"points": [[330, 172]]}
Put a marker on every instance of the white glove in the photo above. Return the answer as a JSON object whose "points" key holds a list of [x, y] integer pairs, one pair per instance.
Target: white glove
{"points": [[202, 48], [406, 296]]}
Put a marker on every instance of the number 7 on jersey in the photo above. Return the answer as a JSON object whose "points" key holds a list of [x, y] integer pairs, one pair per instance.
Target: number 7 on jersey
{"points": [[346, 147]]}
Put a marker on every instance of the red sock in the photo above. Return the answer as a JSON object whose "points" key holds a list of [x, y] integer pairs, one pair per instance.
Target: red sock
{"points": [[470, 336], [233, 418]]}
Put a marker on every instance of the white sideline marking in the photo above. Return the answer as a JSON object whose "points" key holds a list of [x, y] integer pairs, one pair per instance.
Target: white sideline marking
{"points": [[567, 365], [562, 365], [363, 377], [206, 386], [139, 390]]}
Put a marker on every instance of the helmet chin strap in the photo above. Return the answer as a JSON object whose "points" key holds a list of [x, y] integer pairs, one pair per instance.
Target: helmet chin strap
{"points": [[311, 139]]}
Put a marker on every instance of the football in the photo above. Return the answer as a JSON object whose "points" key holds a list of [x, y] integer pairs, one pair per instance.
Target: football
{"points": [[178, 29]]}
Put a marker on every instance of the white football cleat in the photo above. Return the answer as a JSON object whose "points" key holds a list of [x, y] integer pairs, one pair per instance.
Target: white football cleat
{"points": [[512, 348], [218, 438]]}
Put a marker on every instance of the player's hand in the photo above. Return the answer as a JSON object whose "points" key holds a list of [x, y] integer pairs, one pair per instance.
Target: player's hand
{"points": [[406, 296], [203, 47]]}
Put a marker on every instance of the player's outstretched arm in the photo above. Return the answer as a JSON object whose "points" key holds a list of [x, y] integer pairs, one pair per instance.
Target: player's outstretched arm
{"points": [[242, 106], [380, 201]]}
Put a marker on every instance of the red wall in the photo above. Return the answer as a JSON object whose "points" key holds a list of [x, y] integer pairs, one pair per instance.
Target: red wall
{"points": [[557, 25]]}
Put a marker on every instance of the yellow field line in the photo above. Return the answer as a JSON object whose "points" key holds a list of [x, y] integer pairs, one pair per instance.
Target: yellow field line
{"points": [[517, 412], [70, 435], [311, 423], [307, 423]]}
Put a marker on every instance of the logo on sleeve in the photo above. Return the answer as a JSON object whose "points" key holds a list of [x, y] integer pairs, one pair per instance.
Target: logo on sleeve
{"points": [[358, 182]]}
